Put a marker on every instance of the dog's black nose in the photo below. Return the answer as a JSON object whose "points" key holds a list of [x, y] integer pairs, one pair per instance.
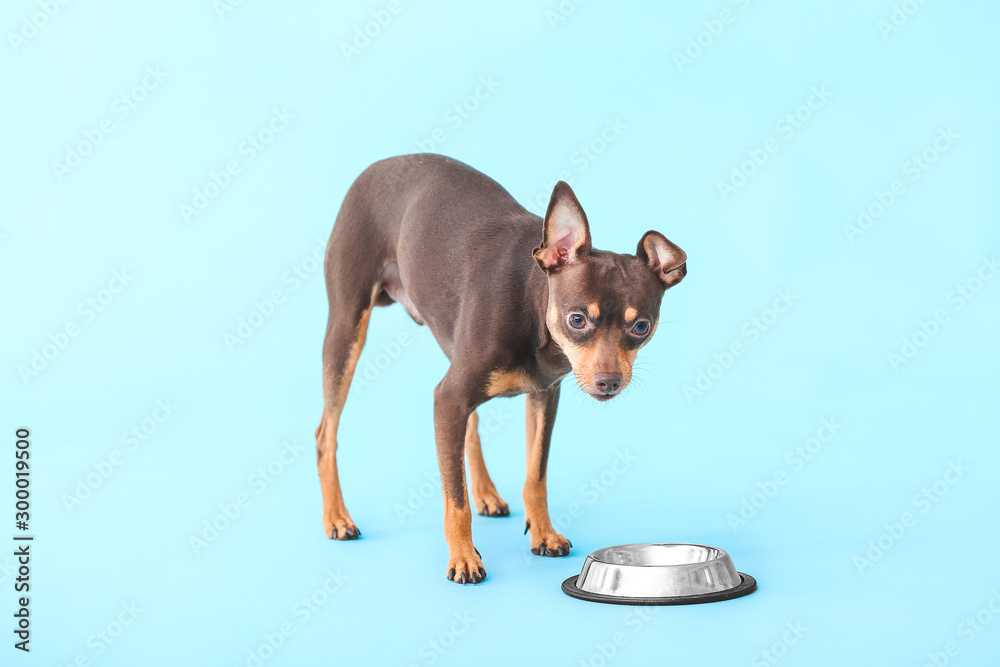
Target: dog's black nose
{"points": [[608, 383]]}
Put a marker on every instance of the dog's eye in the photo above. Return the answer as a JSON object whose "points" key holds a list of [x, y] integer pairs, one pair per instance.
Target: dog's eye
{"points": [[640, 328], [577, 321]]}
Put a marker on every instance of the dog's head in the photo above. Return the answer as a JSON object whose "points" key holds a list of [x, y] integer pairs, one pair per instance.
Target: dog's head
{"points": [[603, 306]]}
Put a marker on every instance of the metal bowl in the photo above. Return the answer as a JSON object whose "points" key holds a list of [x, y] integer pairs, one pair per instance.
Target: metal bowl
{"points": [[659, 574]]}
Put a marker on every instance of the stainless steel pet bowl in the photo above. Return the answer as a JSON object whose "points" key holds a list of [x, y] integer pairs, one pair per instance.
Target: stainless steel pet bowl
{"points": [[659, 574]]}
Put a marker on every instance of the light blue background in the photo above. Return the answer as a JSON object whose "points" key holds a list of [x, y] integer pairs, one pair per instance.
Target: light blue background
{"points": [[695, 461]]}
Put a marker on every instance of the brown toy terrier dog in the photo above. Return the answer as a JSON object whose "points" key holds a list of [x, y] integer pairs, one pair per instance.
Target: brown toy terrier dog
{"points": [[515, 302]]}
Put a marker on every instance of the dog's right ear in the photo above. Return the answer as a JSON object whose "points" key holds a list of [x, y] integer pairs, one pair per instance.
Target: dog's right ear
{"points": [[565, 233]]}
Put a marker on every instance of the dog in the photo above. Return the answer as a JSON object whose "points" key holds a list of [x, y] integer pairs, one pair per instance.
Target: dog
{"points": [[515, 301]]}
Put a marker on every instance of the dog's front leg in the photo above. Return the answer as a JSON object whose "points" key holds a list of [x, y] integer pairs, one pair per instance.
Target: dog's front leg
{"points": [[452, 407], [540, 411]]}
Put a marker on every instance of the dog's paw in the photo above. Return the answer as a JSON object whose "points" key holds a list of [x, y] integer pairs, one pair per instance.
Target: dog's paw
{"points": [[550, 544], [489, 503], [466, 568], [340, 527]]}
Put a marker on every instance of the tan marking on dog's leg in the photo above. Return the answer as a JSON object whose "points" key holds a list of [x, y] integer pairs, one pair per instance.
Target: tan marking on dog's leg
{"points": [[540, 412], [484, 493], [464, 563], [337, 376], [451, 421]]}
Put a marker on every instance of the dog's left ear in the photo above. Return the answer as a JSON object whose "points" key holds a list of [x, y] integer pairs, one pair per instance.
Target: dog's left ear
{"points": [[667, 261], [565, 234]]}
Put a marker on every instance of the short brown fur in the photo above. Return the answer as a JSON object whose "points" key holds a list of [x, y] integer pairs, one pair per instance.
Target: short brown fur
{"points": [[515, 301]]}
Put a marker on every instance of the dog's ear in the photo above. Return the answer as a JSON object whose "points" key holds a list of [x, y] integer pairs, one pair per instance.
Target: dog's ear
{"points": [[667, 262], [565, 234]]}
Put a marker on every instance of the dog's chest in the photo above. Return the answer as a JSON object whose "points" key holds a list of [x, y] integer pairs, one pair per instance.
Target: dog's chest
{"points": [[541, 373]]}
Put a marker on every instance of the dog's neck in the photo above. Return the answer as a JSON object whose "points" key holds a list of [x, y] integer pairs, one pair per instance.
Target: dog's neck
{"points": [[537, 292], [549, 359]]}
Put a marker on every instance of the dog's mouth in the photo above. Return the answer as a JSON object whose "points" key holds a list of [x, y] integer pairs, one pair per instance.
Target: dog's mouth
{"points": [[600, 396], [600, 388]]}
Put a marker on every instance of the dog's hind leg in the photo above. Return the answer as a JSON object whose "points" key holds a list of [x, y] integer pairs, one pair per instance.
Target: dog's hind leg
{"points": [[351, 303], [540, 410], [484, 493]]}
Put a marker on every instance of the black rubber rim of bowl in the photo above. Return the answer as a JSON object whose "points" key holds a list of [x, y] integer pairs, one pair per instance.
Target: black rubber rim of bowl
{"points": [[747, 586]]}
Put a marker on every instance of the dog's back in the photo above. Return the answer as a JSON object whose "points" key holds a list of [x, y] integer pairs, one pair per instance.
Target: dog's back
{"points": [[405, 213]]}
